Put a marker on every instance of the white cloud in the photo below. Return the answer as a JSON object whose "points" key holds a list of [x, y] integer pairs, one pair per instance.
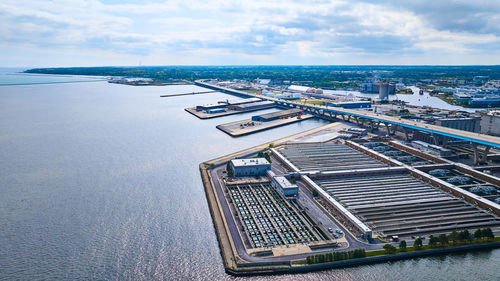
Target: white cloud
{"points": [[249, 32]]}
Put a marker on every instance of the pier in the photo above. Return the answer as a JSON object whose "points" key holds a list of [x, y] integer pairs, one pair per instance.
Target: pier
{"points": [[254, 125], [247, 127], [187, 94]]}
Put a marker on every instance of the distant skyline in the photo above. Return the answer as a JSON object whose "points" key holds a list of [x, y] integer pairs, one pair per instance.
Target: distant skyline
{"points": [[191, 32]]}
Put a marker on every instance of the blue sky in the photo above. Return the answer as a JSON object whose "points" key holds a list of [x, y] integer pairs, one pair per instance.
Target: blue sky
{"points": [[36, 33]]}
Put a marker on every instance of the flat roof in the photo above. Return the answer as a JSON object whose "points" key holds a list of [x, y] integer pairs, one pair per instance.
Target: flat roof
{"points": [[280, 113], [284, 182], [242, 101], [252, 104], [250, 162]]}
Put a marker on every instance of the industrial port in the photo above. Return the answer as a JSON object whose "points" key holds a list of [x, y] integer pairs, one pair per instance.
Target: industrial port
{"points": [[346, 186]]}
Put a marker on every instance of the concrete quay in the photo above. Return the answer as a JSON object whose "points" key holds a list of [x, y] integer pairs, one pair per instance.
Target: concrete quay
{"points": [[247, 126]]}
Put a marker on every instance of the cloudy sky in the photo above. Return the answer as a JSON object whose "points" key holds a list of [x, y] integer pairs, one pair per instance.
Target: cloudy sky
{"points": [[37, 33]]}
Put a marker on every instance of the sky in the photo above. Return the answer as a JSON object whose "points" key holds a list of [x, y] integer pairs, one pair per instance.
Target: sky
{"points": [[37, 33]]}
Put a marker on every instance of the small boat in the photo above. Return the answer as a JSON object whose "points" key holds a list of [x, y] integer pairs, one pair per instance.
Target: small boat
{"points": [[421, 92]]}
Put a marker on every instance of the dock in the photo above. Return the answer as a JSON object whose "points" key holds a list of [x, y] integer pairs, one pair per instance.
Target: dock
{"points": [[247, 126], [225, 108]]}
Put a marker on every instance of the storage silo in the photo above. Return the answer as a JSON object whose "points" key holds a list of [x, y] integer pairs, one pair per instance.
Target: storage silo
{"points": [[383, 91]]}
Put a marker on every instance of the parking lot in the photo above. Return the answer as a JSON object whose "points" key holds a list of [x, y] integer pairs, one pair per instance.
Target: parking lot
{"points": [[268, 219]]}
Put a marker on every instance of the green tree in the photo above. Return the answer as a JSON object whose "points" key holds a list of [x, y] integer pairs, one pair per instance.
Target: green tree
{"points": [[487, 233], [229, 170], [443, 239], [418, 243], [433, 241], [389, 249], [464, 236], [453, 237], [268, 158], [402, 245], [315, 193], [478, 234]]}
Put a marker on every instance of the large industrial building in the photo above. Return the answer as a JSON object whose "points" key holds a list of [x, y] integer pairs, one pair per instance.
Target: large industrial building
{"points": [[277, 115], [328, 157], [230, 103], [399, 204], [250, 167], [374, 189], [252, 105]]}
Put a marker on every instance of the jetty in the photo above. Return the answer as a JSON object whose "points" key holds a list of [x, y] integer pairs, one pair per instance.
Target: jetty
{"points": [[187, 94]]}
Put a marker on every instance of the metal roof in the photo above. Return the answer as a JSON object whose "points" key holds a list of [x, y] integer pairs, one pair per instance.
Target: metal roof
{"points": [[280, 113]]}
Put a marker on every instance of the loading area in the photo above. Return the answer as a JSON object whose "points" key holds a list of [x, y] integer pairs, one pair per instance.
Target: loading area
{"points": [[268, 219]]}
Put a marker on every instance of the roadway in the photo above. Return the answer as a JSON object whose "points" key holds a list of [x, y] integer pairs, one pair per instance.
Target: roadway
{"points": [[433, 129]]}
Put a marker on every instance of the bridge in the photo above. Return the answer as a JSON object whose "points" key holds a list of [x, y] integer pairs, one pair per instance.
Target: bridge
{"points": [[374, 120]]}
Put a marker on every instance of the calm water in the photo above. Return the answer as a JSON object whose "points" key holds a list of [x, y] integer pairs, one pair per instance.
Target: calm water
{"points": [[100, 182], [13, 76]]}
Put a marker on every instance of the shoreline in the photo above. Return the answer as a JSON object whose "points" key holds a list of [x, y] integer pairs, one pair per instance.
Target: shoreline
{"points": [[47, 83], [365, 261]]}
